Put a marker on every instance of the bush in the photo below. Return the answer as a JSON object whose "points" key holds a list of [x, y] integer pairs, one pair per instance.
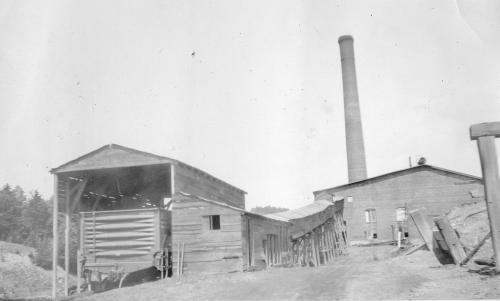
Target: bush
{"points": [[43, 255]]}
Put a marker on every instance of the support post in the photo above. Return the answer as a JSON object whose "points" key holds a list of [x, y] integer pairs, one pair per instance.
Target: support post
{"points": [[485, 134], [66, 239], [55, 243], [78, 272], [489, 166]]}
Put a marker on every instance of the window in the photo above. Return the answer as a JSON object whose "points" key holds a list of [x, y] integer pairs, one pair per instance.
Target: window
{"points": [[401, 215], [214, 222], [371, 223], [370, 216]]}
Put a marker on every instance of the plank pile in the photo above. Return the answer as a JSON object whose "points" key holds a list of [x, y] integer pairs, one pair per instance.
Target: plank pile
{"points": [[444, 238]]}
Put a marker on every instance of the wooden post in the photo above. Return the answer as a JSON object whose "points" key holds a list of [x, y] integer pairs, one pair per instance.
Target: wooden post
{"points": [[179, 259], [78, 272], [66, 238], [55, 243], [485, 134]]}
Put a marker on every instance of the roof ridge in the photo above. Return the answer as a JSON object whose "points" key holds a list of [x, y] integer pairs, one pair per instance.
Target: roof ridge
{"points": [[402, 170]]}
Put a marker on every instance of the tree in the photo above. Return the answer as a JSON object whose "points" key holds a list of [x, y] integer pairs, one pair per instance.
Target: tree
{"points": [[10, 214], [267, 210], [37, 222]]}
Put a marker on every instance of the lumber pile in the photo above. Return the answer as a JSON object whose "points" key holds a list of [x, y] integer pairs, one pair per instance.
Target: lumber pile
{"points": [[459, 236]]}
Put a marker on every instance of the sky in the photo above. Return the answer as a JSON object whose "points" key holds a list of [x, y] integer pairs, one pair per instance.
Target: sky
{"points": [[249, 91]]}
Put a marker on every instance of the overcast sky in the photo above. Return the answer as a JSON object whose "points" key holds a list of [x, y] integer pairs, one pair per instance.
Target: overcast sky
{"points": [[249, 91]]}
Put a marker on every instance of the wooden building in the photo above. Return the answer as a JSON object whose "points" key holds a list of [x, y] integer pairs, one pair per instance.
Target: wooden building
{"points": [[136, 208], [214, 237], [376, 208], [121, 196]]}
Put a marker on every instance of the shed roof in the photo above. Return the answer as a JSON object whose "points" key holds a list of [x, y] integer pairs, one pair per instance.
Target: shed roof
{"points": [[411, 169], [116, 156], [302, 212], [200, 198]]}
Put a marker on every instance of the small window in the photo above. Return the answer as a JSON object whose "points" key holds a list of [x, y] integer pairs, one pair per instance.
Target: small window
{"points": [[401, 215], [370, 216], [214, 221]]}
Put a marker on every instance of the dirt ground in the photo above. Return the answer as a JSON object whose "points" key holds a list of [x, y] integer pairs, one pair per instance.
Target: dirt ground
{"points": [[367, 273]]}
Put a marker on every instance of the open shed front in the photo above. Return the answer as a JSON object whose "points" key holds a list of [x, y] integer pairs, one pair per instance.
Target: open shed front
{"points": [[119, 196]]}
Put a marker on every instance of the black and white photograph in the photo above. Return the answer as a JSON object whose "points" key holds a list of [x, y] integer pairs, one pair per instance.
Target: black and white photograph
{"points": [[249, 150]]}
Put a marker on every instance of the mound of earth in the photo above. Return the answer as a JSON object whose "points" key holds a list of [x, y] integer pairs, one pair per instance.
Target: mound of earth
{"points": [[20, 278], [472, 225]]}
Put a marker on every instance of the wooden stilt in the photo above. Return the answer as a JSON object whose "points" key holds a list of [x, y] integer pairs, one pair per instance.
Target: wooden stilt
{"points": [[66, 238], [55, 243], [78, 272]]}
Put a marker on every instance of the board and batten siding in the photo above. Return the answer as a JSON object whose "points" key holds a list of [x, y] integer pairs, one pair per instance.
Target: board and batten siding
{"points": [[255, 231], [438, 191], [205, 251], [194, 182]]}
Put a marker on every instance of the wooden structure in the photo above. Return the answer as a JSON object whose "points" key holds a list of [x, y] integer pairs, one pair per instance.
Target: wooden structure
{"points": [[485, 134], [376, 208], [318, 233], [136, 208], [214, 237], [123, 239], [218, 237], [122, 195]]}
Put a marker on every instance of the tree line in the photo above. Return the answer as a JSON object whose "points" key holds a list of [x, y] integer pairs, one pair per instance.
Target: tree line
{"points": [[27, 219]]}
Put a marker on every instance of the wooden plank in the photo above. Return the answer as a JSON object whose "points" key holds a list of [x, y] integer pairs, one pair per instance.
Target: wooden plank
{"points": [[66, 240], [485, 129], [475, 249], [489, 166], [422, 246], [451, 238], [423, 225], [78, 272], [178, 258]]}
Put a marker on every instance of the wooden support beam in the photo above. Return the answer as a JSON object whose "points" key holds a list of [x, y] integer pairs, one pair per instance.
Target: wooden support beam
{"points": [[66, 239], [484, 130], [475, 249], [489, 167], [78, 272], [451, 238], [55, 244]]}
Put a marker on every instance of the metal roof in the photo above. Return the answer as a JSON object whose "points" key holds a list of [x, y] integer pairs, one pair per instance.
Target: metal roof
{"points": [[415, 168], [308, 210], [117, 156]]}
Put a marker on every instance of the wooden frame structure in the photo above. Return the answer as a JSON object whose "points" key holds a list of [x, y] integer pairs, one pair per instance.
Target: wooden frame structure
{"points": [[485, 134], [90, 178]]}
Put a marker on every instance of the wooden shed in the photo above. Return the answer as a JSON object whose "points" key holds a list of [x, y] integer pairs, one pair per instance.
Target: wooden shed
{"points": [[213, 237]]}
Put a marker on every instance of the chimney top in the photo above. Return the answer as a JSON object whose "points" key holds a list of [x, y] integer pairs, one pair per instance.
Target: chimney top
{"points": [[345, 37]]}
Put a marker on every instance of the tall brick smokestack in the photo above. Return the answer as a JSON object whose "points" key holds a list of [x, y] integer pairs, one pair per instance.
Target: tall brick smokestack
{"points": [[356, 162]]}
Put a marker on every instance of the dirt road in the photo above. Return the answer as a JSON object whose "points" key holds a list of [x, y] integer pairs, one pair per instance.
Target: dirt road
{"points": [[365, 274]]}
